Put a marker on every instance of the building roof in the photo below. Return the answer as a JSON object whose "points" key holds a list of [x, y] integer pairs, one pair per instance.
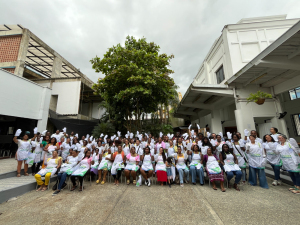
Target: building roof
{"points": [[40, 56], [274, 65]]}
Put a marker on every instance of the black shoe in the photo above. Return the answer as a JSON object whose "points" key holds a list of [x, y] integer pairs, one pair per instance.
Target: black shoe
{"points": [[64, 185], [201, 184], [56, 192], [194, 183], [170, 185], [54, 187]]}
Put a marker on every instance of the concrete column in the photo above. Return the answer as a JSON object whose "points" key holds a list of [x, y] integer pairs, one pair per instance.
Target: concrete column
{"points": [[244, 117], [216, 125], [44, 109], [20, 63], [56, 68]]}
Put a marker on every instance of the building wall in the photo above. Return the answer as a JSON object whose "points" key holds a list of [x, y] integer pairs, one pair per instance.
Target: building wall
{"points": [[9, 48], [23, 98], [291, 107], [238, 45], [97, 113], [68, 95]]}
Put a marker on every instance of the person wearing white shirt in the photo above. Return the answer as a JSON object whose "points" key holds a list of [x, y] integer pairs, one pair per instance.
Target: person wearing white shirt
{"points": [[58, 135], [274, 133]]}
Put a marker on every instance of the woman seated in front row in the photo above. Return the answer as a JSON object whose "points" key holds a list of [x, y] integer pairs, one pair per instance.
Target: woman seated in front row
{"points": [[132, 165], [196, 168], [105, 165], [83, 167], [67, 168], [231, 167], [53, 164], [213, 169]]}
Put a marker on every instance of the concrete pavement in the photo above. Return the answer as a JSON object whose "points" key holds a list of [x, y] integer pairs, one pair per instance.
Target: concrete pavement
{"points": [[108, 204]]}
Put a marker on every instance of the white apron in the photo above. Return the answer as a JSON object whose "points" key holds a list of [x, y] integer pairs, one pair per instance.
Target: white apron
{"points": [[204, 150], [38, 153], [51, 168], [147, 164], [229, 164], [81, 153], [241, 160], [96, 161], [83, 168], [219, 149], [66, 150], [105, 164], [131, 165], [290, 160], [117, 165], [196, 161], [255, 155], [24, 148], [160, 164], [212, 165], [69, 167], [48, 154], [181, 164], [272, 157]]}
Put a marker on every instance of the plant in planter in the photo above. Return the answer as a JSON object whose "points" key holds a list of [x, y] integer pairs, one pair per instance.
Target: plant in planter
{"points": [[258, 97]]}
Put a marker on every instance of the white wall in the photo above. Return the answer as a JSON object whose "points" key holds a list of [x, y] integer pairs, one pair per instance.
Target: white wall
{"points": [[97, 112], [238, 45], [68, 95], [23, 98]]}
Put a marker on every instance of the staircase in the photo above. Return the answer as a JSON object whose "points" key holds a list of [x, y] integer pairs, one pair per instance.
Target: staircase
{"points": [[11, 185]]}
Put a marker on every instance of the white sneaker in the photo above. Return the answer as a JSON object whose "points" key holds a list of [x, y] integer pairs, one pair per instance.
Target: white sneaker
{"points": [[279, 182], [149, 182], [274, 183], [181, 185]]}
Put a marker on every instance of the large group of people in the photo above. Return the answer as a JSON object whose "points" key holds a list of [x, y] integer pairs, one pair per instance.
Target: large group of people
{"points": [[170, 158]]}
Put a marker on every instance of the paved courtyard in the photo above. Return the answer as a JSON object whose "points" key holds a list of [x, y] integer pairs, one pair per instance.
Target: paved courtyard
{"points": [[108, 204]]}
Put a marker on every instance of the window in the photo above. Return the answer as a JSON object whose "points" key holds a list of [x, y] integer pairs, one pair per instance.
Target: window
{"points": [[296, 118], [294, 93], [220, 75]]}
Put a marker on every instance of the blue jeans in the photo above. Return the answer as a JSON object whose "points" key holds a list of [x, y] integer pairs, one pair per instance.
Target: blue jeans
{"points": [[253, 172], [61, 177], [295, 176], [276, 170], [244, 174], [187, 175], [238, 176], [195, 172]]}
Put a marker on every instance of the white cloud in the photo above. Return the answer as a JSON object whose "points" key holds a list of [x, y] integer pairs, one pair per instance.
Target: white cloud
{"points": [[79, 30]]}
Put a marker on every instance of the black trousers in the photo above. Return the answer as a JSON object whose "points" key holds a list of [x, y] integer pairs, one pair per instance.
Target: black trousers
{"points": [[119, 173], [35, 167], [80, 178]]}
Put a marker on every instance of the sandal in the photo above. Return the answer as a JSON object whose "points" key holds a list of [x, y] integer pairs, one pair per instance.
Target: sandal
{"points": [[26, 174], [18, 175], [103, 182], [128, 182], [73, 188], [236, 187], [80, 188], [134, 182], [223, 190], [40, 188], [293, 188], [296, 191], [215, 188], [97, 181], [45, 188]]}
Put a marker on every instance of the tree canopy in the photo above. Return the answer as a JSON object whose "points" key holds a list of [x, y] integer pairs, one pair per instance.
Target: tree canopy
{"points": [[137, 79]]}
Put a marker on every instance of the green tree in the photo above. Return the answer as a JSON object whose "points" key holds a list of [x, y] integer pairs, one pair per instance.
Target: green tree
{"points": [[137, 79], [105, 128]]}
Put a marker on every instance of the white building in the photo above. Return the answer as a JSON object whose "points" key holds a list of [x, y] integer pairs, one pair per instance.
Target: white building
{"points": [[41, 88], [254, 54]]}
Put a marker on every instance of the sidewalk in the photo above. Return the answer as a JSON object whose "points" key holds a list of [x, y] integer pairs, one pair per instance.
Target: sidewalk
{"points": [[108, 204]]}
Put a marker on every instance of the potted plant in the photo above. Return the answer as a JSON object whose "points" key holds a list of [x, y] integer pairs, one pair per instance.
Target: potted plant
{"points": [[258, 97]]}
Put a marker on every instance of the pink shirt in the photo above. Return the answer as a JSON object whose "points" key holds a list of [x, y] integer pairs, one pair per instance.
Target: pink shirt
{"points": [[137, 158], [162, 145], [89, 160]]}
